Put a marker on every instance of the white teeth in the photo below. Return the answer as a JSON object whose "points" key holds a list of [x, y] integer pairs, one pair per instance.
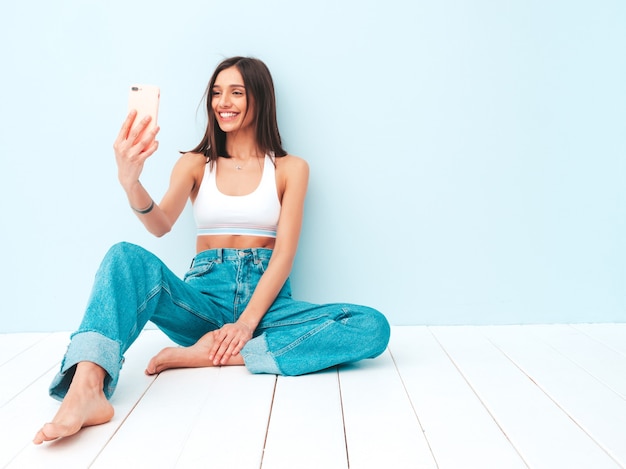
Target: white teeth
{"points": [[227, 115]]}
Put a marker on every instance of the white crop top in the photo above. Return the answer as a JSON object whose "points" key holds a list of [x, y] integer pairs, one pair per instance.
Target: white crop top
{"points": [[255, 214]]}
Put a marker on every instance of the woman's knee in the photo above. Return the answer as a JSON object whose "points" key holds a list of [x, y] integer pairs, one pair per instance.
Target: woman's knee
{"points": [[128, 253], [376, 330], [124, 250], [130, 260], [383, 333]]}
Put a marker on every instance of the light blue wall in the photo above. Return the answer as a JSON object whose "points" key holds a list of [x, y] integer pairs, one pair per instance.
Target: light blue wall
{"points": [[467, 157]]}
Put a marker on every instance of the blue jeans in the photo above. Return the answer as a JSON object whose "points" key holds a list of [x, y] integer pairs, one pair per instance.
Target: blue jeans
{"points": [[133, 286]]}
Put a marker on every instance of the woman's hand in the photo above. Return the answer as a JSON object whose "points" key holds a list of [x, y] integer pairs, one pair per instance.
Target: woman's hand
{"points": [[228, 341], [132, 147]]}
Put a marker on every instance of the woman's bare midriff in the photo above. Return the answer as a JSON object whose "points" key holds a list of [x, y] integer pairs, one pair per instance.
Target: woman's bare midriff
{"points": [[204, 243]]}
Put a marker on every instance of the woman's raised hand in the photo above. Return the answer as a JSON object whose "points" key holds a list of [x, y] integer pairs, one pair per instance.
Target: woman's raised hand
{"points": [[132, 147]]}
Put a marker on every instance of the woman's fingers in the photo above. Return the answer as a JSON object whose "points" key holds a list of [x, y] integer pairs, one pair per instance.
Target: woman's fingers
{"points": [[228, 341], [146, 141], [220, 348], [135, 145], [137, 132], [234, 348], [218, 343], [131, 135], [150, 149], [126, 126]]}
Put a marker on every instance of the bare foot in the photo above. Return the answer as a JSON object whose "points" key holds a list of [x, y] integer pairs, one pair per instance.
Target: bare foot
{"points": [[84, 405], [196, 356]]}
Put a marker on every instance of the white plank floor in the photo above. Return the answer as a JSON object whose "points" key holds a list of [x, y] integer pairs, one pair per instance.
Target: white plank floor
{"points": [[545, 396]]}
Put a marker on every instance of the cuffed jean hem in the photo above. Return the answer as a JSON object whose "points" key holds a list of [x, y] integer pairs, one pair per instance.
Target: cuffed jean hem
{"points": [[258, 358], [89, 347]]}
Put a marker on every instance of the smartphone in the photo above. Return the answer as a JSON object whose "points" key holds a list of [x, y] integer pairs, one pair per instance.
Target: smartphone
{"points": [[145, 100]]}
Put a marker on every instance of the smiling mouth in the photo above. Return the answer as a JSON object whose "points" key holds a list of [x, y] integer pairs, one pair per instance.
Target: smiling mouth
{"points": [[227, 115]]}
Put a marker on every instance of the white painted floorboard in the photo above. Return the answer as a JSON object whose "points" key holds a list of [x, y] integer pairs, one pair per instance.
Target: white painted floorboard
{"points": [[545, 396], [24, 368], [241, 400], [381, 427], [82, 449], [12, 345], [537, 427], [306, 428], [459, 429], [595, 408]]}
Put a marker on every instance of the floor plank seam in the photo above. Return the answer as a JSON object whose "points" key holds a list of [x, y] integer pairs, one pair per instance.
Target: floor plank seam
{"points": [[190, 429], [482, 402], [17, 454], [269, 420], [408, 395], [582, 367], [558, 405], [13, 357], [343, 418], [122, 421], [56, 365], [597, 340]]}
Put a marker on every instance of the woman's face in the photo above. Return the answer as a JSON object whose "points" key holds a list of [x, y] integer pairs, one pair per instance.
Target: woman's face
{"points": [[229, 100]]}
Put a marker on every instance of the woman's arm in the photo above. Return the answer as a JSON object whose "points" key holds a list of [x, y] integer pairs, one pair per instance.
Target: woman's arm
{"points": [[293, 175], [131, 152]]}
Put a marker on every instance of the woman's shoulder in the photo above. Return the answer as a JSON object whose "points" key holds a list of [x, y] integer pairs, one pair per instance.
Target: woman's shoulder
{"points": [[191, 162], [190, 166], [292, 171], [292, 163], [192, 159]]}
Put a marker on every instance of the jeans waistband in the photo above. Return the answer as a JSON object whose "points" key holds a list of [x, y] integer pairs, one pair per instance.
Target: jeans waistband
{"points": [[227, 254]]}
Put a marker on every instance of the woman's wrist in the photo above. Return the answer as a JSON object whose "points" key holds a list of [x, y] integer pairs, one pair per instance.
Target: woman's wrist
{"points": [[138, 197], [143, 211], [246, 325], [132, 186]]}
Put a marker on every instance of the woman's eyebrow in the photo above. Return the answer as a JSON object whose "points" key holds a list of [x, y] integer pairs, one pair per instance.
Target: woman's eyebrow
{"points": [[230, 86]]}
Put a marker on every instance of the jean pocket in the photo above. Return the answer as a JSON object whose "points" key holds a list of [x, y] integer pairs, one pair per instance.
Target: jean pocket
{"points": [[262, 265], [199, 270]]}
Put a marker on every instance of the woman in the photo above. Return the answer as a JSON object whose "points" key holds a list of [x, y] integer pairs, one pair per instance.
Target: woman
{"points": [[234, 306]]}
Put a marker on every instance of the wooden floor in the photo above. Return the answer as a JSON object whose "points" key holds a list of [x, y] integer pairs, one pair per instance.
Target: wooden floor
{"points": [[549, 396]]}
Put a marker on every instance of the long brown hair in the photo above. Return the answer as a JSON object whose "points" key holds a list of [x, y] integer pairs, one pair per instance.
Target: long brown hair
{"points": [[260, 88]]}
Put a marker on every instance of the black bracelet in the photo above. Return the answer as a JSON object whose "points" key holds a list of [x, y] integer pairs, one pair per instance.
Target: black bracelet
{"points": [[146, 210]]}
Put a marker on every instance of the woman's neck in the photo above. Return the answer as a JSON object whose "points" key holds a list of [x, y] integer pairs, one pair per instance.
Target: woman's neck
{"points": [[242, 145]]}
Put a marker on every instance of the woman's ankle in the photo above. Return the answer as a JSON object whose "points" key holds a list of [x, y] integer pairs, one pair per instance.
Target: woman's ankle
{"points": [[89, 375]]}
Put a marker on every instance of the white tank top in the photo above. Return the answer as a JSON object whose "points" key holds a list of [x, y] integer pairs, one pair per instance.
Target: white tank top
{"points": [[255, 214]]}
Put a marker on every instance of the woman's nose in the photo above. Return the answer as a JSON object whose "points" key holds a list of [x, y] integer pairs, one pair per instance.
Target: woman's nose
{"points": [[224, 101]]}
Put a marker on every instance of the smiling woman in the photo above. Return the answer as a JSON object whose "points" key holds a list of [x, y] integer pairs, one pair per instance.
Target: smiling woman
{"points": [[234, 305], [229, 102]]}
